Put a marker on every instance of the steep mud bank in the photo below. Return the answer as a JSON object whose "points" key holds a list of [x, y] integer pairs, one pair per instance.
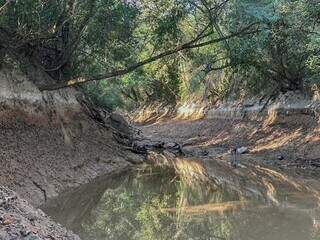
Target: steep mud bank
{"points": [[49, 144]]}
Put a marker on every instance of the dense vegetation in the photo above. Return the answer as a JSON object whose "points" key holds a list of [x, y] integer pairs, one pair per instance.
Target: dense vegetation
{"points": [[138, 51]]}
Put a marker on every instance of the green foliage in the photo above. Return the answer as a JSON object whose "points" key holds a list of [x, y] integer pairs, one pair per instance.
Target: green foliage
{"points": [[86, 38], [136, 210], [281, 55], [105, 94]]}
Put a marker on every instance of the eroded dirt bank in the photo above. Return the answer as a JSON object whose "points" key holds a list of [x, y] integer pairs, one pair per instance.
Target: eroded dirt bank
{"points": [[49, 143]]}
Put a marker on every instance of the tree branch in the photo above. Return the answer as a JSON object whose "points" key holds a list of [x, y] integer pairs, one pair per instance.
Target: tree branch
{"points": [[189, 45], [5, 5]]}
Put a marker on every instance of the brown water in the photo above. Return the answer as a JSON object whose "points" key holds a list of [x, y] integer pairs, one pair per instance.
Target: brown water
{"points": [[157, 204]]}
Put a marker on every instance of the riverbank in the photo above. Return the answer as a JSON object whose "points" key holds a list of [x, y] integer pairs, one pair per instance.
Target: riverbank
{"points": [[50, 142], [277, 144], [287, 128], [281, 145], [280, 166]]}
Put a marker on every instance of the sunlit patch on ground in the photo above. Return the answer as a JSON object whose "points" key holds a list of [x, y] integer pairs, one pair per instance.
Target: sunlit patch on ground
{"points": [[275, 142]]}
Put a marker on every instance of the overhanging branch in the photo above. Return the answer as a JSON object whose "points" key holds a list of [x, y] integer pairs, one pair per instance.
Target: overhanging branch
{"points": [[189, 45], [5, 5]]}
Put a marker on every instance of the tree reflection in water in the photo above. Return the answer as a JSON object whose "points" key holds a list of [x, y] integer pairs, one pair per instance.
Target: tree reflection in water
{"points": [[137, 210], [155, 204]]}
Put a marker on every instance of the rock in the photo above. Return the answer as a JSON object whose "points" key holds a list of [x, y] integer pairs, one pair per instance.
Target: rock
{"points": [[7, 220], [146, 145], [171, 145], [24, 233], [280, 157], [242, 150], [155, 145]]}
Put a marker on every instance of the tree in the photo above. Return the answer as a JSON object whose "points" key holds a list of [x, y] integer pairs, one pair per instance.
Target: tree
{"points": [[279, 53], [72, 42]]}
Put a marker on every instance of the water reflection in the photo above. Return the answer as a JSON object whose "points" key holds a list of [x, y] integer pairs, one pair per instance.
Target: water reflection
{"points": [[156, 204]]}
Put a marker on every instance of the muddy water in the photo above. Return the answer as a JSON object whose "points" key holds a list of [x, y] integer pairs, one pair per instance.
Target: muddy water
{"points": [[155, 203]]}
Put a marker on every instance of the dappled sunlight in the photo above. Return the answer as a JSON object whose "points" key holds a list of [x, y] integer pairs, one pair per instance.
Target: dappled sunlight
{"points": [[276, 142], [273, 174], [271, 191], [313, 136], [253, 133], [190, 111], [223, 137], [190, 169], [152, 113], [158, 113], [272, 116], [160, 120], [192, 116]]}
